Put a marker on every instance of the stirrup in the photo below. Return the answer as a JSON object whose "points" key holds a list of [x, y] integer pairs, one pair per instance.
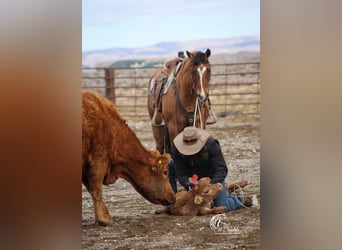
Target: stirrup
{"points": [[157, 119]]}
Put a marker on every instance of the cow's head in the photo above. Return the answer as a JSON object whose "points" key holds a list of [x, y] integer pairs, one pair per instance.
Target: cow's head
{"points": [[154, 183], [205, 192]]}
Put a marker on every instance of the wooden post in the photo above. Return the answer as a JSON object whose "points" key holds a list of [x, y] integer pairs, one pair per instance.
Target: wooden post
{"points": [[110, 84]]}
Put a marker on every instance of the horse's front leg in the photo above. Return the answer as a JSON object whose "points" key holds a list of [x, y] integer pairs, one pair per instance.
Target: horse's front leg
{"points": [[158, 133]]}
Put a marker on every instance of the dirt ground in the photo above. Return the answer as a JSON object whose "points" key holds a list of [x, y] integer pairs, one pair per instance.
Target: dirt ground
{"points": [[136, 226]]}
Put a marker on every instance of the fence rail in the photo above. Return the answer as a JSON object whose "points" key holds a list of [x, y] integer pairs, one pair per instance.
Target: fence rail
{"points": [[234, 88]]}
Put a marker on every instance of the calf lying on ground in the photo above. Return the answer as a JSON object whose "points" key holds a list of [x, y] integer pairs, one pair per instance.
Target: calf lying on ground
{"points": [[198, 200]]}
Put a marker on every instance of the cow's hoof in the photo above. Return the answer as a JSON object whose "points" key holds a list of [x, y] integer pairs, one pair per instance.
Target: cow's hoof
{"points": [[104, 223]]}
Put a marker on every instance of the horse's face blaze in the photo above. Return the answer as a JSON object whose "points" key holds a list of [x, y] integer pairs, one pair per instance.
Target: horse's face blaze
{"points": [[201, 81]]}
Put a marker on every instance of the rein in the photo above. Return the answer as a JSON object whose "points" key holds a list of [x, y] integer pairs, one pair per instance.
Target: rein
{"points": [[197, 107], [191, 114], [198, 103]]}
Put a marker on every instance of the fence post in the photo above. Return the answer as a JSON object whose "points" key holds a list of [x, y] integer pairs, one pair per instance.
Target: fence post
{"points": [[110, 84]]}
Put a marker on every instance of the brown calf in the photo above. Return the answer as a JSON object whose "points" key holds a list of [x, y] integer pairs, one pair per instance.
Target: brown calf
{"points": [[111, 150], [198, 200]]}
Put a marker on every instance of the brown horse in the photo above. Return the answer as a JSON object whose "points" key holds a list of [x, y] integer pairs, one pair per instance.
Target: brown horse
{"points": [[184, 103]]}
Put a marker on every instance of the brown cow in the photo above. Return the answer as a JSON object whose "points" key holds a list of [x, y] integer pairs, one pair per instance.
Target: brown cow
{"points": [[111, 150], [198, 200]]}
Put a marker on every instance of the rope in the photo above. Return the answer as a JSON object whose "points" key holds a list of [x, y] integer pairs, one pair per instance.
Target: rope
{"points": [[241, 195], [200, 113], [195, 113], [197, 107]]}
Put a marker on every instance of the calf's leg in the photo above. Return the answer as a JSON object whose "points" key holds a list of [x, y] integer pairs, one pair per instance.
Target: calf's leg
{"points": [[235, 185], [215, 210]]}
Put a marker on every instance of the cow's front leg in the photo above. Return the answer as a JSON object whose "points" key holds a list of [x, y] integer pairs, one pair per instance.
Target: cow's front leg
{"points": [[102, 215]]}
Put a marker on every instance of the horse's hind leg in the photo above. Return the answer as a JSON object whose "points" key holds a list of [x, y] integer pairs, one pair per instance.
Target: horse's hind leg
{"points": [[158, 133], [167, 143]]}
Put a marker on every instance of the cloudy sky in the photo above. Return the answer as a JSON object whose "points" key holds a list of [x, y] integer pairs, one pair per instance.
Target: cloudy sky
{"points": [[137, 23]]}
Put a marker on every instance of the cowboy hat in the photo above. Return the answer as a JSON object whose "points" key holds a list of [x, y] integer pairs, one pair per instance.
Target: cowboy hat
{"points": [[191, 140]]}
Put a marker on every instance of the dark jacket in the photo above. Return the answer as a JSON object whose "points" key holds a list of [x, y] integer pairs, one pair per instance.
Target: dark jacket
{"points": [[209, 162]]}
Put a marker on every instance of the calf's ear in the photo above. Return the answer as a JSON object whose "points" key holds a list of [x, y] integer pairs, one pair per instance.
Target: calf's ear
{"points": [[198, 200], [193, 186], [205, 180]]}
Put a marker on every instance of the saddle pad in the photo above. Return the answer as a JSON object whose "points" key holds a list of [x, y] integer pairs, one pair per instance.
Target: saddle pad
{"points": [[171, 77]]}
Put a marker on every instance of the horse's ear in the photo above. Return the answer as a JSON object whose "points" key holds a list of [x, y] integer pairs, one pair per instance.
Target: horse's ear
{"points": [[207, 52], [189, 54]]}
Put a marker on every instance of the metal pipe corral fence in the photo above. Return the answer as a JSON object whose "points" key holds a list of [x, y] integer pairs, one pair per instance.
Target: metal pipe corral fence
{"points": [[234, 88]]}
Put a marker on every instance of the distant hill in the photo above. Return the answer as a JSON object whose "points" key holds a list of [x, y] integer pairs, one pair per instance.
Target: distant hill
{"points": [[227, 50], [135, 64]]}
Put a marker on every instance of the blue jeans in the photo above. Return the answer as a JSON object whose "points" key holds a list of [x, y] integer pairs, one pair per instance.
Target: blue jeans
{"points": [[227, 200], [172, 175]]}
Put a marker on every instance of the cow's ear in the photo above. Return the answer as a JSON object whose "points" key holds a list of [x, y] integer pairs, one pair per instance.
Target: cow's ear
{"points": [[198, 200]]}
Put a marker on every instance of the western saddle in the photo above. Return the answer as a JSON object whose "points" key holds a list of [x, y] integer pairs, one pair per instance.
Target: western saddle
{"points": [[159, 84]]}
